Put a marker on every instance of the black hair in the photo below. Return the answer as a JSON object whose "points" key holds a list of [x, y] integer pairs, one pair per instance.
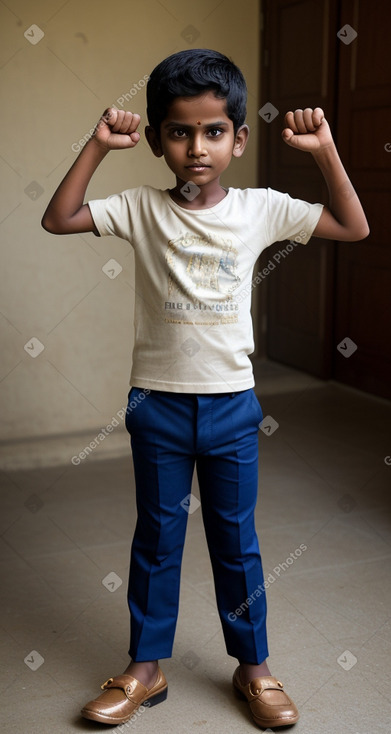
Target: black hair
{"points": [[189, 73]]}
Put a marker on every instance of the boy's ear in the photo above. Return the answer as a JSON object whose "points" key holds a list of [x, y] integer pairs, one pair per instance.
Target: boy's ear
{"points": [[153, 140], [241, 139]]}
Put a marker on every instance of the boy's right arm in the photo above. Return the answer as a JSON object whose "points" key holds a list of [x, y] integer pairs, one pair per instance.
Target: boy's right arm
{"points": [[66, 212]]}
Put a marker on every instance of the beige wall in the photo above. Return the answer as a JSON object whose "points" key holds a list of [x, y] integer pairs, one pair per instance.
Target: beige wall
{"points": [[53, 288]]}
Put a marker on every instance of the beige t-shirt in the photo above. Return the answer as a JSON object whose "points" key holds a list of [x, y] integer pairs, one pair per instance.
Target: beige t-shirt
{"points": [[193, 280]]}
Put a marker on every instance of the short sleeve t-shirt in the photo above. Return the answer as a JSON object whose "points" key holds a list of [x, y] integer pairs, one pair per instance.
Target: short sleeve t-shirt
{"points": [[193, 280]]}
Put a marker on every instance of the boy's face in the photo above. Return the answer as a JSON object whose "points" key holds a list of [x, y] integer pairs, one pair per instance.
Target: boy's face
{"points": [[197, 138]]}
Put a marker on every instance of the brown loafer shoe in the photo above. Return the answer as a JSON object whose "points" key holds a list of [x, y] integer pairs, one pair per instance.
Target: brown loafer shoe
{"points": [[122, 696], [269, 704]]}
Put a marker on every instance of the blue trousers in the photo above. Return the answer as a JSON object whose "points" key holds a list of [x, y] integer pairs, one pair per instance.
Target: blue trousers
{"points": [[171, 433]]}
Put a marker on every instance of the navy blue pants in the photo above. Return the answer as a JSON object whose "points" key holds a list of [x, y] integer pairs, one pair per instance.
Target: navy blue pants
{"points": [[171, 433]]}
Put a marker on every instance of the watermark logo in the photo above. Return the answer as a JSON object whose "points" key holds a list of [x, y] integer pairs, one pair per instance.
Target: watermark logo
{"points": [[34, 660], [112, 268], [347, 660], [34, 347], [272, 577], [33, 503], [34, 190], [123, 727], [347, 190], [125, 97], [112, 581], [268, 425], [114, 423], [190, 33], [190, 659], [268, 112], [347, 34], [347, 347], [34, 34], [190, 503], [190, 347], [190, 190], [277, 258]]}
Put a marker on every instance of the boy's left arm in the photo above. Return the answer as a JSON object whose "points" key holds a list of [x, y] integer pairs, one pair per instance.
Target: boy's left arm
{"points": [[344, 218]]}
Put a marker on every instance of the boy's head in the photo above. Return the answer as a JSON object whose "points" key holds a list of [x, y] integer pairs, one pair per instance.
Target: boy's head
{"points": [[190, 73]]}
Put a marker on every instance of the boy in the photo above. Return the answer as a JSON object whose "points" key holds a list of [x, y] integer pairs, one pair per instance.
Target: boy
{"points": [[195, 248]]}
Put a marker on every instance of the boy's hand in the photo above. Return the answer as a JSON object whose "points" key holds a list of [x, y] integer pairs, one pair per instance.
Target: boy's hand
{"points": [[307, 130], [116, 129]]}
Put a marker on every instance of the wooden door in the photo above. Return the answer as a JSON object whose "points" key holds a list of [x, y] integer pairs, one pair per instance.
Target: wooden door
{"points": [[299, 70], [324, 293], [363, 269]]}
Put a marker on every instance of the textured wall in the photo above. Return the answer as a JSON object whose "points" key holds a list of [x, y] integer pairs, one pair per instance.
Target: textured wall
{"points": [[61, 64]]}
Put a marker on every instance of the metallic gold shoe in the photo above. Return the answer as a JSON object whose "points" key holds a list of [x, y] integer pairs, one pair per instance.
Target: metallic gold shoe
{"points": [[122, 697], [270, 706]]}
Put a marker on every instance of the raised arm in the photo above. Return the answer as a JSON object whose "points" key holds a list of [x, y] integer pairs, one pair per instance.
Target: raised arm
{"points": [[66, 213], [344, 218]]}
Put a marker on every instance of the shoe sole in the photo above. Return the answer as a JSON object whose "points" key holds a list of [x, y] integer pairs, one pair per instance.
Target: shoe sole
{"points": [[266, 723], [148, 702]]}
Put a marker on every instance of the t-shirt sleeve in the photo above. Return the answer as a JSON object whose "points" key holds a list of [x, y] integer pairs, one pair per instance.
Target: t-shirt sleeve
{"points": [[290, 219], [116, 214]]}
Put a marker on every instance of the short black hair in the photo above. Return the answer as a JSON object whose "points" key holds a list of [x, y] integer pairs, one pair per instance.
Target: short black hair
{"points": [[190, 73]]}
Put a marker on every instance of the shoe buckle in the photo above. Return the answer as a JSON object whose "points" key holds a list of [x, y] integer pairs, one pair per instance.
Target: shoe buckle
{"points": [[255, 691], [107, 683]]}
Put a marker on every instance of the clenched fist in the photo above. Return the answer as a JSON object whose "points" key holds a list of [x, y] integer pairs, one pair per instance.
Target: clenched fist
{"points": [[307, 130], [116, 129]]}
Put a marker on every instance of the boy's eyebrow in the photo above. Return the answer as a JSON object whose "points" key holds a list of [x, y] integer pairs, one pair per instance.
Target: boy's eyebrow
{"points": [[219, 123]]}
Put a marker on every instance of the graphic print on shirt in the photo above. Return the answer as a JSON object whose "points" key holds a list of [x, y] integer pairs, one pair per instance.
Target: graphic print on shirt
{"points": [[202, 275]]}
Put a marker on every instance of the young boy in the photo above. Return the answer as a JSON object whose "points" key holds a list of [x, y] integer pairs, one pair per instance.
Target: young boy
{"points": [[195, 248]]}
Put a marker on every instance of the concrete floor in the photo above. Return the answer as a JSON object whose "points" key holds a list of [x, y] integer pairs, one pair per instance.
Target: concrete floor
{"points": [[324, 483]]}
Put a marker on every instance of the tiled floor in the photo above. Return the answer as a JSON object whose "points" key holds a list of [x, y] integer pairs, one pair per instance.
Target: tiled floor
{"points": [[324, 483]]}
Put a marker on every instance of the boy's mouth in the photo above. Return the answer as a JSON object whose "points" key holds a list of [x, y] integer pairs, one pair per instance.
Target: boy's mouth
{"points": [[197, 166]]}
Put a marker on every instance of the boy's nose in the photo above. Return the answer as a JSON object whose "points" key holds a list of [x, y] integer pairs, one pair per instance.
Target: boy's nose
{"points": [[197, 145]]}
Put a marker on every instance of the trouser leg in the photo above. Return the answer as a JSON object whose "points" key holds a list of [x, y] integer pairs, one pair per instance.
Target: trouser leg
{"points": [[228, 480], [161, 432]]}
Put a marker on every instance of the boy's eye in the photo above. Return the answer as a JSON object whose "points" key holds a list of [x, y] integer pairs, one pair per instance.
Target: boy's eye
{"points": [[215, 132], [179, 133]]}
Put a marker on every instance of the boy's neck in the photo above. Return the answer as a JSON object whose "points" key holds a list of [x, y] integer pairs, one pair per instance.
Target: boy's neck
{"points": [[208, 196]]}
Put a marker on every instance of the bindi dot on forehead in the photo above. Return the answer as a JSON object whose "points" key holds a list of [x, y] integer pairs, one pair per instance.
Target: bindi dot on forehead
{"points": [[198, 122]]}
